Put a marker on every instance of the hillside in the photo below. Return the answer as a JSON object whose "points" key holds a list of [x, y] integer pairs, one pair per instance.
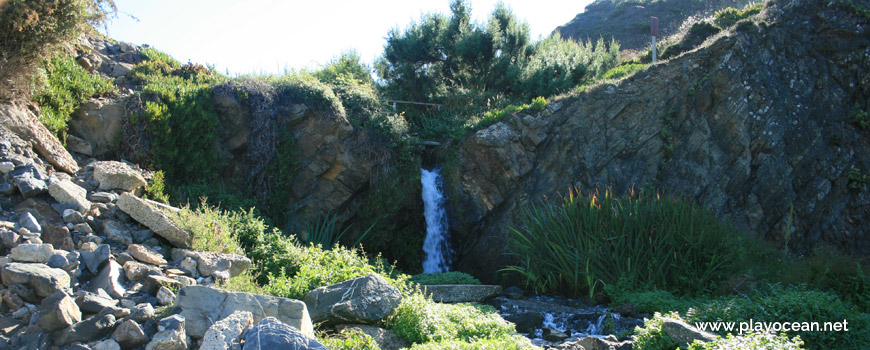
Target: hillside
{"points": [[629, 21]]}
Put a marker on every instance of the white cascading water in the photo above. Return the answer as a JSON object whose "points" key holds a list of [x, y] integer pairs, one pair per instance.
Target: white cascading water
{"points": [[435, 246]]}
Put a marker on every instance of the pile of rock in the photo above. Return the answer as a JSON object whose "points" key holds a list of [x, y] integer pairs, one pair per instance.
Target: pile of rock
{"points": [[85, 263]]}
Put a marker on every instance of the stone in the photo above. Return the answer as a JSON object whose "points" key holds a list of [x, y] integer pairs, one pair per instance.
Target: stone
{"points": [[171, 334], [154, 219], [226, 333], [462, 293], [148, 256], [6, 167], [108, 344], [103, 197], [596, 343], [554, 335], [93, 328], [188, 265], [526, 322], [93, 303], [136, 271], [386, 339], [9, 325], [58, 311], [21, 121], [114, 175], [83, 228], [94, 259], [71, 216], [129, 335], [67, 192], [30, 186], [75, 144], [58, 237], [29, 222], [12, 300], [360, 300], [142, 312], [109, 280], [7, 188], [44, 280], [140, 236], [514, 292], [165, 296], [9, 239], [209, 262], [117, 232], [24, 292], [98, 122], [38, 253], [684, 333], [270, 333], [202, 306]]}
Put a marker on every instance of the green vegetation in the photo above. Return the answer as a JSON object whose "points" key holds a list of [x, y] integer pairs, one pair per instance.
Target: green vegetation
{"points": [[33, 30], [156, 188], [420, 320], [729, 16], [504, 342], [584, 242], [453, 277], [860, 118], [62, 88], [858, 180], [652, 337], [623, 70], [350, 339]]}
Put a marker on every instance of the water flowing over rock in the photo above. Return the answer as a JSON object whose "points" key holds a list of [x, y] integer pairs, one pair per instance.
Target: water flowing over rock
{"points": [[436, 245], [757, 132]]}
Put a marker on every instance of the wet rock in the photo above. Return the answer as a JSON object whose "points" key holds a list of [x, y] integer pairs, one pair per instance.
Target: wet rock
{"points": [[360, 300], [116, 175], [67, 192], [462, 293], [154, 219], [526, 322], [595, 343], [227, 333], [554, 335], [36, 253], [202, 305], [44, 280], [58, 311], [514, 292], [148, 256], [271, 333]]}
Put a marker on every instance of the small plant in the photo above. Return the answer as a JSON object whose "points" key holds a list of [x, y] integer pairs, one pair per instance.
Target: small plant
{"points": [[624, 70], [453, 277], [539, 103], [860, 118], [651, 336], [858, 180], [350, 339], [155, 189], [730, 16], [751, 340]]}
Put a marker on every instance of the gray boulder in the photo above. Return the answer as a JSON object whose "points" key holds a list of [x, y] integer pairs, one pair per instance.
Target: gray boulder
{"points": [[143, 254], [93, 328], [129, 335], [94, 259], [58, 236], [171, 335], [42, 279], [67, 192], [360, 300], [109, 280], [202, 306], [117, 232], [29, 222], [37, 253], [226, 333], [684, 333], [154, 219], [93, 303], [272, 334], [116, 175], [462, 293], [58, 311]]}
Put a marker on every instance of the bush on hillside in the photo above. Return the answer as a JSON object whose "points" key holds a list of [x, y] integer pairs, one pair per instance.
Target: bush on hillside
{"points": [[729, 16]]}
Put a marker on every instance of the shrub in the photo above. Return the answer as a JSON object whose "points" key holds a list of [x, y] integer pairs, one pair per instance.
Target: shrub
{"points": [[62, 89], [453, 277], [860, 118], [420, 320], [659, 242], [651, 336], [156, 188], [623, 70], [350, 339], [512, 342], [650, 301], [729, 16], [32, 30], [212, 230], [751, 340]]}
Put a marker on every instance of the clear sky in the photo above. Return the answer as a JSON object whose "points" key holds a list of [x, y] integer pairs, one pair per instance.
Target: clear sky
{"points": [[269, 36]]}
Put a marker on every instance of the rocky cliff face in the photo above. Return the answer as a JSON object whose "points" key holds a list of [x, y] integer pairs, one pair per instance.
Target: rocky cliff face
{"points": [[755, 125], [629, 21]]}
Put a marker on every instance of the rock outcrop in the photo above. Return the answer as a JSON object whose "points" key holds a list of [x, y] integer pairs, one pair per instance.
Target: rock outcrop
{"points": [[755, 125]]}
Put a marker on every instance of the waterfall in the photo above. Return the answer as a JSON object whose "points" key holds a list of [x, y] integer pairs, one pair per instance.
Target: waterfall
{"points": [[435, 246]]}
